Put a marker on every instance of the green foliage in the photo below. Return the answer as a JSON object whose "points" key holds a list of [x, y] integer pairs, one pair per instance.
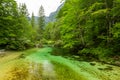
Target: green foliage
{"points": [[99, 13], [41, 22], [96, 6], [16, 32], [89, 27], [98, 52], [116, 30], [33, 20], [52, 31]]}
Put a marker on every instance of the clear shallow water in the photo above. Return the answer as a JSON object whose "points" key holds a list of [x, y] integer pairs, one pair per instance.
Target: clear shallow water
{"points": [[59, 67], [39, 64], [54, 67]]}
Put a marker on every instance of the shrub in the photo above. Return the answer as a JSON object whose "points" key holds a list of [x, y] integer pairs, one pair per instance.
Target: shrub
{"points": [[97, 53], [58, 43]]}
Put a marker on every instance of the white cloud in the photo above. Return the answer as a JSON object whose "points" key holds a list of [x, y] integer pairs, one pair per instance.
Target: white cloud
{"points": [[34, 5]]}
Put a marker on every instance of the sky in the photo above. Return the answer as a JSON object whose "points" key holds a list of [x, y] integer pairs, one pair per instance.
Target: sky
{"points": [[34, 5]]}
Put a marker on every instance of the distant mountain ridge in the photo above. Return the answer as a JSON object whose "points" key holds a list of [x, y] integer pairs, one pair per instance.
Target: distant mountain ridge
{"points": [[51, 17]]}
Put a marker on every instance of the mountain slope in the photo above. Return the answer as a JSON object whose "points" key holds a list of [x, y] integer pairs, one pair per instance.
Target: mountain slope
{"points": [[51, 17]]}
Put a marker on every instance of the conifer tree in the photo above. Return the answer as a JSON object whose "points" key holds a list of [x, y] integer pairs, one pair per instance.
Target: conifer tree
{"points": [[33, 20], [41, 21]]}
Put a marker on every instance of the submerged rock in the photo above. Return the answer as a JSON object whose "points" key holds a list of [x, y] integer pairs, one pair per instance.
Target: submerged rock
{"points": [[93, 64], [48, 71]]}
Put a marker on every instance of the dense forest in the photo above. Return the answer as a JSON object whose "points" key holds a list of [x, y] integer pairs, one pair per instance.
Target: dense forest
{"points": [[88, 28], [17, 29]]}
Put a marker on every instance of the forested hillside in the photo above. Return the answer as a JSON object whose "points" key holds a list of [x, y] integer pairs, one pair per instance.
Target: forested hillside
{"points": [[88, 28], [17, 30]]}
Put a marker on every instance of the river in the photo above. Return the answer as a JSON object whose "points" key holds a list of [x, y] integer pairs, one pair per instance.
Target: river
{"points": [[39, 64]]}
